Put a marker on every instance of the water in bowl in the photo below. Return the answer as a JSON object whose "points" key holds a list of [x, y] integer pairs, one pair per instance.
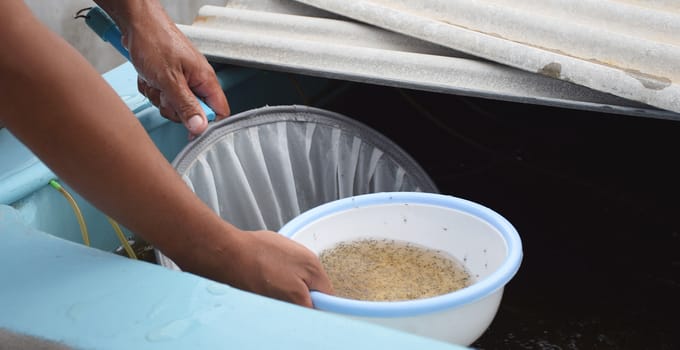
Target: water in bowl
{"points": [[391, 270]]}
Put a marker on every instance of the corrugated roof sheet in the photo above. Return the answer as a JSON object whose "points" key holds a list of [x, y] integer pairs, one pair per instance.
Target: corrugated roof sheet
{"points": [[289, 36], [626, 48]]}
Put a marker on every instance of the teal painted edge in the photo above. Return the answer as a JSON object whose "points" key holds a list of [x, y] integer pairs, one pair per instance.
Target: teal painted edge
{"points": [[87, 298], [21, 172], [90, 299]]}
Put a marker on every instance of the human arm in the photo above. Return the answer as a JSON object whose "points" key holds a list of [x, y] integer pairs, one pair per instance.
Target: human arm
{"points": [[61, 108], [171, 71]]}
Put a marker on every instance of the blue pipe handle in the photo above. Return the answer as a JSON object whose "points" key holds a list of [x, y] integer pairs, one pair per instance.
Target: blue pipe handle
{"points": [[100, 22]]}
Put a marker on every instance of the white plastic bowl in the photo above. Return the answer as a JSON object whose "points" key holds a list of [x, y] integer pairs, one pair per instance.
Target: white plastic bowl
{"points": [[486, 243]]}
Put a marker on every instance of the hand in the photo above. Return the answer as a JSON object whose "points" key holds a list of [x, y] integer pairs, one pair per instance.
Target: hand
{"points": [[279, 267], [172, 73]]}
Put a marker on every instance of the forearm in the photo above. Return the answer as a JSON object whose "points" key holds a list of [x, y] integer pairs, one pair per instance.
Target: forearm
{"points": [[61, 108]]}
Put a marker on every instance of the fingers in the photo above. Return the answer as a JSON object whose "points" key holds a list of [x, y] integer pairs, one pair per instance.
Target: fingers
{"points": [[174, 75], [316, 278], [320, 282], [285, 287], [154, 95], [285, 269], [180, 99], [211, 92], [178, 104], [300, 295]]}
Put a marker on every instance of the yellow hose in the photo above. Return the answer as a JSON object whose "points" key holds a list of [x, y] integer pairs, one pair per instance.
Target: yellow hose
{"points": [[76, 209], [123, 240], [83, 227]]}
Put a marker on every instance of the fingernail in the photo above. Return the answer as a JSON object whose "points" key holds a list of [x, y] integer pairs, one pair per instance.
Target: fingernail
{"points": [[194, 122]]}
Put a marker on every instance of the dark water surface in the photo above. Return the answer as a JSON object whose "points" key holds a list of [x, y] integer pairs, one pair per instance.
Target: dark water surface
{"points": [[595, 198]]}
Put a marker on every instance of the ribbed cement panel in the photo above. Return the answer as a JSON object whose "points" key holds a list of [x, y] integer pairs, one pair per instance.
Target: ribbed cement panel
{"points": [[626, 48], [353, 51]]}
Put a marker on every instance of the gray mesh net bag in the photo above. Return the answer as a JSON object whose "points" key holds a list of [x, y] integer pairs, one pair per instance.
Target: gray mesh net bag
{"points": [[261, 168]]}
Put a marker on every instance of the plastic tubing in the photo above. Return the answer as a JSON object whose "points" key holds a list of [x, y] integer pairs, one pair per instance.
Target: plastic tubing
{"points": [[83, 227], [76, 209], [126, 245]]}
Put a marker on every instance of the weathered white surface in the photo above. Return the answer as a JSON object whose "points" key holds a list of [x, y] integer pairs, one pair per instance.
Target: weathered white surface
{"points": [[280, 6], [633, 52], [345, 49], [629, 49]]}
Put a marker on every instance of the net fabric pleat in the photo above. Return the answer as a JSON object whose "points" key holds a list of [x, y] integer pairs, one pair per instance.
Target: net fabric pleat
{"points": [[261, 168]]}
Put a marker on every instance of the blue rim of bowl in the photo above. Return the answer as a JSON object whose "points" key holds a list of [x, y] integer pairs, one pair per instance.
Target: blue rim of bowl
{"points": [[480, 289]]}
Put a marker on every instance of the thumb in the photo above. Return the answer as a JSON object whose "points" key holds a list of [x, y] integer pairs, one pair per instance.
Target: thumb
{"points": [[186, 107]]}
